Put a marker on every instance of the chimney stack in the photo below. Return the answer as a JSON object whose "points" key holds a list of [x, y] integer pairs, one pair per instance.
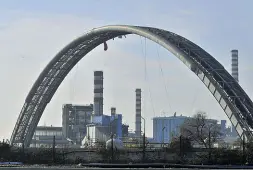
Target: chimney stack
{"points": [[234, 58], [138, 113], [113, 111], [98, 93]]}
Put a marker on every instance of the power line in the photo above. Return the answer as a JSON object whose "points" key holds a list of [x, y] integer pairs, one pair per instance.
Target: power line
{"points": [[72, 84], [164, 82], [145, 59], [194, 98], [146, 75], [145, 78]]}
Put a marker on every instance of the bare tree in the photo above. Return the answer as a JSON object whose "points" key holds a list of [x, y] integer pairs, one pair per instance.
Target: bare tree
{"points": [[181, 146], [201, 130]]}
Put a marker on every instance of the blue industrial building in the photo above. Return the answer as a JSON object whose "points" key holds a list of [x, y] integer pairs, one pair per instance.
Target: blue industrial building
{"points": [[114, 122], [117, 118], [165, 128], [223, 127]]}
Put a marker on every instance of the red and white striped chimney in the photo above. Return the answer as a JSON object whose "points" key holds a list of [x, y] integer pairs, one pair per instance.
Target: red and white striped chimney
{"points": [[234, 65], [98, 93], [138, 113]]}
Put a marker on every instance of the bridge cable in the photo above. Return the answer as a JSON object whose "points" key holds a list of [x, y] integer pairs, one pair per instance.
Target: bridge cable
{"points": [[71, 86], [145, 78], [144, 51], [194, 99], [73, 91], [105, 66], [162, 74]]}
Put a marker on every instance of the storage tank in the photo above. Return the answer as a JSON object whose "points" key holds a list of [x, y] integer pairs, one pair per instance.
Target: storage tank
{"points": [[117, 144], [85, 141]]}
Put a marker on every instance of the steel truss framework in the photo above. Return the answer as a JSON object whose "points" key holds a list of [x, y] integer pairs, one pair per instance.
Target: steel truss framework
{"points": [[228, 93]]}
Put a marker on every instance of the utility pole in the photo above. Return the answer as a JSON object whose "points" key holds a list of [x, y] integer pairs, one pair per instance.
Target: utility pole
{"points": [[53, 150], [180, 147], [144, 138], [164, 151], [80, 136], [112, 146], [112, 136], [23, 146], [23, 150], [163, 136], [209, 145], [35, 139], [243, 148]]}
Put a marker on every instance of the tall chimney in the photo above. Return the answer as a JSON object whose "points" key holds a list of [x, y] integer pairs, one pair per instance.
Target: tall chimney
{"points": [[113, 111], [98, 93], [235, 73], [138, 113]]}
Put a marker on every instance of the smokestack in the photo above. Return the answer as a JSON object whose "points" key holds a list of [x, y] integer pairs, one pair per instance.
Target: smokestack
{"points": [[138, 113], [98, 93], [235, 73], [113, 111]]}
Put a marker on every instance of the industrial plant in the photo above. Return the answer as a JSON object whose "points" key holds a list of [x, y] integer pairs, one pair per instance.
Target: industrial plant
{"points": [[88, 125]]}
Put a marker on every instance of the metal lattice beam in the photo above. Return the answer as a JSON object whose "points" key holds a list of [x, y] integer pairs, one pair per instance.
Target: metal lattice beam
{"points": [[228, 93]]}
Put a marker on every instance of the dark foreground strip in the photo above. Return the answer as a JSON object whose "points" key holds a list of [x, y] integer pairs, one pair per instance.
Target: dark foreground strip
{"points": [[160, 165], [147, 165], [11, 163]]}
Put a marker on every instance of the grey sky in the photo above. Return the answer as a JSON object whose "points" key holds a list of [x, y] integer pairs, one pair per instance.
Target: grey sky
{"points": [[31, 33]]}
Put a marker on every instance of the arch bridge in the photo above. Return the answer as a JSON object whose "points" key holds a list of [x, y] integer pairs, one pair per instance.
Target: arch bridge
{"points": [[225, 89]]}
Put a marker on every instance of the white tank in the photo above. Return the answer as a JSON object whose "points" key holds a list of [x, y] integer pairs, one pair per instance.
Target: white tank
{"points": [[85, 141], [117, 144]]}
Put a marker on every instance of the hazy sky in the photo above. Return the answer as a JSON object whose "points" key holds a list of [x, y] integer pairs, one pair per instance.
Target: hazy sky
{"points": [[31, 33]]}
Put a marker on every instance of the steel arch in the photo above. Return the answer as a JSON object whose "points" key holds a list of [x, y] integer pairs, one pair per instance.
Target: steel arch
{"points": [[228, 93]]}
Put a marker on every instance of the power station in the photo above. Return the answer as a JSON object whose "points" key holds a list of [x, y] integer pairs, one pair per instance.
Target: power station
{"points": [[88, 124], [55, 72]]}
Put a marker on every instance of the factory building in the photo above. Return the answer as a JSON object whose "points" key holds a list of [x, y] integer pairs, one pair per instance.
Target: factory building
{"points": [[125, 130], [44, 137], [124, 127], [99, 119], [101, 128], [81, 122], [74, 121], [233, 132], [223, 127], [96, 135], [115, 122], [165, 128]]}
